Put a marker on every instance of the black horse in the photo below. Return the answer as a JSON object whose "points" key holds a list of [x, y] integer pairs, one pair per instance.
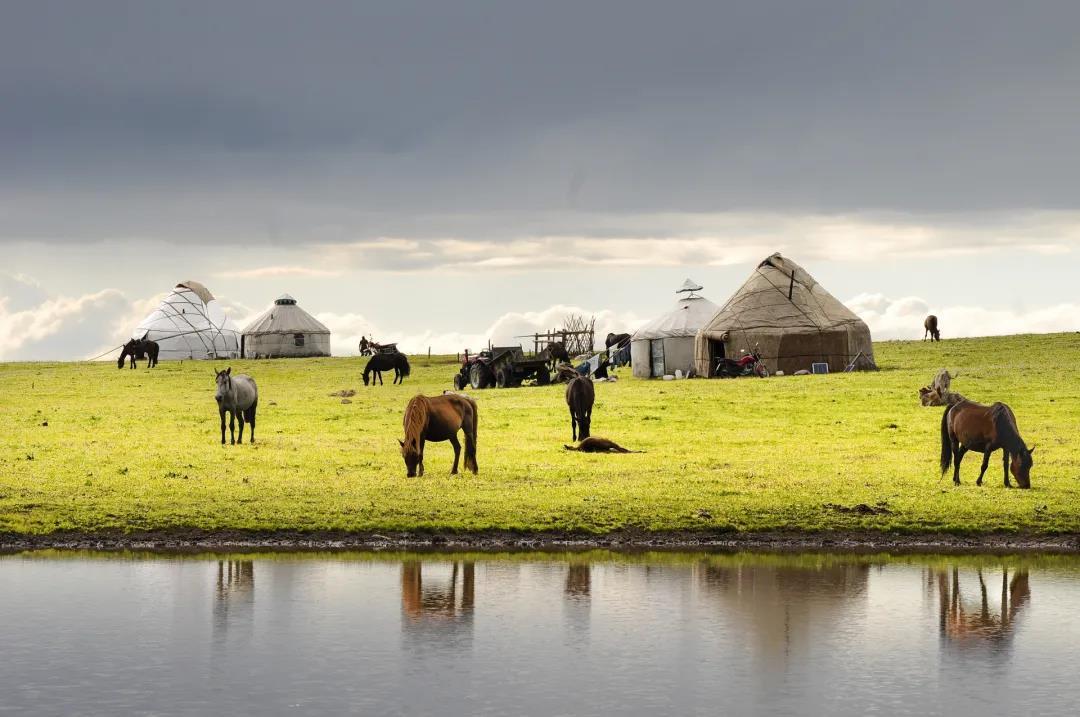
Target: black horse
{"points": [[617, 345], [580, 396], [384, 362], [139, 349]]}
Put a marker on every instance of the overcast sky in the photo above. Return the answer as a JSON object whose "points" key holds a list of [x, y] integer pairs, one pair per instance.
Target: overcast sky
{"points": [[436, 172]]}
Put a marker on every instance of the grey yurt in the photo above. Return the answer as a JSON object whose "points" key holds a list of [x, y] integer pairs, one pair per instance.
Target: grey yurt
{"points": [[667, 342], [285, 330], [783, 313]]}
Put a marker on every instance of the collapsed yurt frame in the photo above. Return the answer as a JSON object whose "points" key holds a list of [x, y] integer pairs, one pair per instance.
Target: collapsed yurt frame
{"points": [[190, 324]]}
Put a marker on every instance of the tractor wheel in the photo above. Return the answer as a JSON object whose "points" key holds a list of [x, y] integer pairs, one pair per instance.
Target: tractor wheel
{"points": [[459, 382], [479, 376], [543, 377], [503, 378]]}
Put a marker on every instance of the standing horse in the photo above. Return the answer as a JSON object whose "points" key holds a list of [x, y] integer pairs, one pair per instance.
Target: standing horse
{"points": [[555, 354], [580, 396], [139, 349], [931, 329], [239, 396], [384, 362], [969, 426], [439, 418], [616, 345]]}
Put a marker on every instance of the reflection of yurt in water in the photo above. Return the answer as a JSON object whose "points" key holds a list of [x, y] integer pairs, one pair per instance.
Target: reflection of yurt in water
{"points": [[190, 324]]}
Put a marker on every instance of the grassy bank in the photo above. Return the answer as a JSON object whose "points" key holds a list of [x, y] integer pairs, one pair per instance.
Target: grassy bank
{"points": [[87, 447]]}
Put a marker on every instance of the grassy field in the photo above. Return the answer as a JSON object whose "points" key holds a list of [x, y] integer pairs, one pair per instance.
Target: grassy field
{"points": [[87, 447]]}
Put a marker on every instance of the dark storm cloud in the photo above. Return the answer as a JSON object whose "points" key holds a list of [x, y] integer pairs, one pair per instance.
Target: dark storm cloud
{"points": [[343, 120]]}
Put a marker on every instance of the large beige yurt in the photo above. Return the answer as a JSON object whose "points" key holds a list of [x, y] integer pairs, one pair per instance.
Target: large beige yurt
{"points": [[285, 330], [667, 342], [790, 319]]}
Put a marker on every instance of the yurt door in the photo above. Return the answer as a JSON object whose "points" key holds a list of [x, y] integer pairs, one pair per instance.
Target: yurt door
{"points": [[657, 357]]}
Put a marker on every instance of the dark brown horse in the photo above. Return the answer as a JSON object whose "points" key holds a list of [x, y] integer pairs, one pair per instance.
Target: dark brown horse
{"points": [[139, 349], [580, 396], [595, 444], [969, 426], [439, 418], [384, 362], [930, 324]]}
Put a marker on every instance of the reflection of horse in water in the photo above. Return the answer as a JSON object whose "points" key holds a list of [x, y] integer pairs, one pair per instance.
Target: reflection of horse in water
{"points": [[971, 622], [578, 580], [235, 591], [437, 602]]}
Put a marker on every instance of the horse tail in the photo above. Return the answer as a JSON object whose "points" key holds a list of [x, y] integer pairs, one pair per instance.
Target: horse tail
{"points": [[470, 439], [416, 418], [946, 444], [404, 364]]}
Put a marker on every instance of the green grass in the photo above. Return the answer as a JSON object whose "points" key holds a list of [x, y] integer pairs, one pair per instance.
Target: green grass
{"points": [[139, 450]]}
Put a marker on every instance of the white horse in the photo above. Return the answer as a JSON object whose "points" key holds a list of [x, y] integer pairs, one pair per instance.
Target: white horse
{"points": [[240, 397]]}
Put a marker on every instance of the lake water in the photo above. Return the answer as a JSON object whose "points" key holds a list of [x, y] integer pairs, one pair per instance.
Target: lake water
{"points": [[538, 634]]}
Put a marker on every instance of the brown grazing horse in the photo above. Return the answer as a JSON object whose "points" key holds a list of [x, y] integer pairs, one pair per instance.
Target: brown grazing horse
{"points": [[580, 396], [439, 418], [969, 426], [930, 324]]}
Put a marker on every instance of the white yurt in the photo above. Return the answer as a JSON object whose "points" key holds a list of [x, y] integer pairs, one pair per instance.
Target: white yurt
{"points": [[667, 342], [285, 330], [190, 324]]}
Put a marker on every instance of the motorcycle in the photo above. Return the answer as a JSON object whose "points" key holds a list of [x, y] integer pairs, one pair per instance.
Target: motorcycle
{"points": [[749, 364]]}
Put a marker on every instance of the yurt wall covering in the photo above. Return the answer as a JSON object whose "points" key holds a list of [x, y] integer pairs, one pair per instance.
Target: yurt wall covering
{"points": [[790, 319], [667, 342], [285, 330], [190, 324]]}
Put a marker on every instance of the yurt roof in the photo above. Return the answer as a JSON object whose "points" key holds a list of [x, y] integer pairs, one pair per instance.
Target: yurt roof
{"points": [[201, 291], [691, 312], [781, 294], [285, 317]]}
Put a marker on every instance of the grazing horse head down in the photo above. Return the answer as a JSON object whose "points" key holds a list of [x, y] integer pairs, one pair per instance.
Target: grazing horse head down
{"points": [[969, 426], [384, 362], [439, 418], [580, 395], [931, 328]]}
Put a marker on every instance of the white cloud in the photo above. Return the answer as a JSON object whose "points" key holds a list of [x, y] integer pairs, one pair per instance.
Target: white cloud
{"points": [[265, 272], [903, 318], [61, 327]]}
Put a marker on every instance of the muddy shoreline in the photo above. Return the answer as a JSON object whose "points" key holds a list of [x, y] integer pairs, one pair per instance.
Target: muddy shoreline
{"points": [[834, 541]]}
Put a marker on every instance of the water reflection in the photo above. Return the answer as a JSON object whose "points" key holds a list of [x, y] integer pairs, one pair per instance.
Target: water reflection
{"points": [[577, 633], [969, 617]]}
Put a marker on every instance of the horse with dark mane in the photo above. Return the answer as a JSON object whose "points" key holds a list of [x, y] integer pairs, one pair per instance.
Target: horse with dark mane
{"points": [[439, 418], [969, 426], [580, 395], [931, 328], [616, 345], [139, 349], [555, 353], [384, 362]]}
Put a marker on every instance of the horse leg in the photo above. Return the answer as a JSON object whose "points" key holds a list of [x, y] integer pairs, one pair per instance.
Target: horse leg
{"points": [[457, 452], [958, 455], [240, 419], [232, 427], [251, 420], [1005, 466], [420, 466], [222, 412], [573, 424], [985, 463]]}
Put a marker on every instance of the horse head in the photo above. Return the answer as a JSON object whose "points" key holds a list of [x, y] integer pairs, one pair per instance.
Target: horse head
{"points": [[1020, 467], [127, 349], [411, 453], [223, 379]]}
